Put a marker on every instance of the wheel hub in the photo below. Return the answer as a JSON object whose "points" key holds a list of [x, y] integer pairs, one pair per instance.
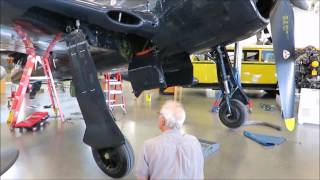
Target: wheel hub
{"points": [[111, 159], [237, 116], [115, 162], [233, 116]]}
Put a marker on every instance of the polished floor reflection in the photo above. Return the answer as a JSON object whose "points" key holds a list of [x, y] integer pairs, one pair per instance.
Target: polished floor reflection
{"points": [[57, 152]]}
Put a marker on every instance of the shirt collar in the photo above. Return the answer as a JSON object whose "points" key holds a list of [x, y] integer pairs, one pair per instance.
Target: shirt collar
{"points": [[172, 131]]}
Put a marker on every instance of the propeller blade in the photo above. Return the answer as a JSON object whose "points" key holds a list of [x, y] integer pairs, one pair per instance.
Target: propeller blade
{"points": [[282, 28]]}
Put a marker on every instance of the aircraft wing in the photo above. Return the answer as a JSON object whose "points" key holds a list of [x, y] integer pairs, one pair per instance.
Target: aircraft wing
{"points": [[52, 15]]}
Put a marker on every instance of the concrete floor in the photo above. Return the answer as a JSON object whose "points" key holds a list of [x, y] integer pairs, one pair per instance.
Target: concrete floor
{"points": [[57, 152]]}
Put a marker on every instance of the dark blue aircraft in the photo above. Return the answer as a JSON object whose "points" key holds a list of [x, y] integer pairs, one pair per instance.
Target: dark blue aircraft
{"points": [[154, 42]]}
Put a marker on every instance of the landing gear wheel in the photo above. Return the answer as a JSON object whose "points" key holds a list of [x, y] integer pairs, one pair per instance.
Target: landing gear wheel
{"points": [[115, 162], [239, 114]]}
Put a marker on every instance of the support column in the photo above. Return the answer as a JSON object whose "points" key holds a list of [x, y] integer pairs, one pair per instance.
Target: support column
{"points": [[237, 61]]}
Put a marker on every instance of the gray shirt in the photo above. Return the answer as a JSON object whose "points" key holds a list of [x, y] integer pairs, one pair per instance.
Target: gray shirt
{"points": [[171, 155]]}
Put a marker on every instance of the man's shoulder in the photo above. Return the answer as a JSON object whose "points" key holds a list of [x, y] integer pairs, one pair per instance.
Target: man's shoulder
{"points": [[153, 141], [162, 140], [191, 138]]}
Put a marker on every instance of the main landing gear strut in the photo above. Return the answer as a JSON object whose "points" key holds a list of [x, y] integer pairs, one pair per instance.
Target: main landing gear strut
{"points": [[233, 111], [110, 149]]}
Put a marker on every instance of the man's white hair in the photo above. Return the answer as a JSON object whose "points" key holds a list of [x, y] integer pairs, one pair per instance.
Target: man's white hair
{"points": [[174, 114]]}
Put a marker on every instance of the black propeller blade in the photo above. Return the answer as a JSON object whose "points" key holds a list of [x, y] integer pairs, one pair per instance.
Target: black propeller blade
{"points": [[282, 27]]}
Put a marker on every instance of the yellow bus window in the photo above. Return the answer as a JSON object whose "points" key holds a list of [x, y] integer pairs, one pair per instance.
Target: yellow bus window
{"points": [[231, 55], [268, 56], [200, 58], [251, 55]]}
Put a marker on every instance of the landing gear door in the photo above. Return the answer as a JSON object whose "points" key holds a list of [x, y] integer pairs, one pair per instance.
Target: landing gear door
{"points": [[178, 70], [145, 72], [149, 72], [144, 78]]}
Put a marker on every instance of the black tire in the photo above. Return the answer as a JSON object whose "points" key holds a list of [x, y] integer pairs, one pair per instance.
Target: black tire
{"points": [[115, 162], [239, 114]]}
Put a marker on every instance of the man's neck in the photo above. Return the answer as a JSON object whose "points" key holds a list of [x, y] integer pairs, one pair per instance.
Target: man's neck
{"points": [[164, 129], [168, 130]]}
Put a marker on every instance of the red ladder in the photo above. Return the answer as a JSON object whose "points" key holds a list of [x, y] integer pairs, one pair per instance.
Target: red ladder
{"points": [[115, 97], [25, 79]]}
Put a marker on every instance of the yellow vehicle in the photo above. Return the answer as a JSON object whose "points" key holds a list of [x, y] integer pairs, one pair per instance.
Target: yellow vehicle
{"points": [[258, 70]]}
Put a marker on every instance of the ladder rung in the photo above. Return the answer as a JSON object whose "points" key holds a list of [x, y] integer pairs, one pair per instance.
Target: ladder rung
{"points": [[112, 80], [39, 78], [115, 92], [115, 83], [116, 105]]}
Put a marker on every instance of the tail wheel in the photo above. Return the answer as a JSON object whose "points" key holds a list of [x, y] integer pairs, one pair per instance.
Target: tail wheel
{"points": [[115, 162], [239, 114]]}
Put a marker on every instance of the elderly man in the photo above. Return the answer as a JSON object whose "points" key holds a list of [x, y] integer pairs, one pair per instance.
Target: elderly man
{"points": [[171, 155]]}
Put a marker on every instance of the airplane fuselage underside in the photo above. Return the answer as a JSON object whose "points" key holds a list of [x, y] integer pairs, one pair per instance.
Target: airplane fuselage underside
{"points": [[173, 28]]}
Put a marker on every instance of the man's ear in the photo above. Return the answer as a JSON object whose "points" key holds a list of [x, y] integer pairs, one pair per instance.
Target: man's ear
{"points": [[162, 121]]}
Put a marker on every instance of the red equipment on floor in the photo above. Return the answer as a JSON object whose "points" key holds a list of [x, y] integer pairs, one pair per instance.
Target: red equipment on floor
{"points": [[24, 82], [115, 97], [36, 119]]}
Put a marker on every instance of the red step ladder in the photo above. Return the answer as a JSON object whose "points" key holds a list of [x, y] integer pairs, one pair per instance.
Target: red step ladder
{"points": [[115, 97], [25, 79]]}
